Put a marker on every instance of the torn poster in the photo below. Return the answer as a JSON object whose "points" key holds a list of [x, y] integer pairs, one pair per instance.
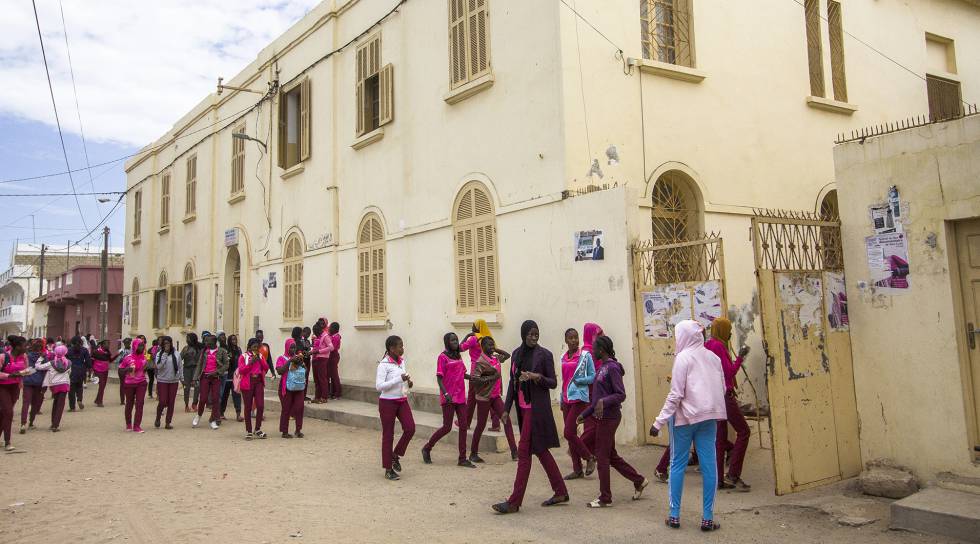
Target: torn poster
{"points": [[835, 301], [882, 219], [707, 302], [664, 308], [888, 262], [802, 296]]}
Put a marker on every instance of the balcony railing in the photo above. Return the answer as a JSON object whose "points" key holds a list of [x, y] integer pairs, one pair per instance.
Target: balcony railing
{"points": [[12, 314]]}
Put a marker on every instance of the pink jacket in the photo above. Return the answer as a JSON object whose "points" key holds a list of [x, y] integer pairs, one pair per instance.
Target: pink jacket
{"points": [[136, 361], [697, 386], [727, 366], [322, 346], [250, 368]]}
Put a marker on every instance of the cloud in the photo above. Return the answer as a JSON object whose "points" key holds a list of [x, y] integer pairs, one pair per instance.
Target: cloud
{"points": [[139, 66]]}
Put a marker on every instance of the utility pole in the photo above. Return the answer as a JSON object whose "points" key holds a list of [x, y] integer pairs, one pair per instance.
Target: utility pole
{"points": [[104, 288], [43, 283]]}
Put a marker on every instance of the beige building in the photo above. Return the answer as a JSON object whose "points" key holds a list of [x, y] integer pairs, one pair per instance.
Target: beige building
{"points": [[422, 164]]}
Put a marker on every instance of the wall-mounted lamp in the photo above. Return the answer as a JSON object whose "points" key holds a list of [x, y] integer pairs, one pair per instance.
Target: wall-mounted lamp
{"points": [[243, 136]]}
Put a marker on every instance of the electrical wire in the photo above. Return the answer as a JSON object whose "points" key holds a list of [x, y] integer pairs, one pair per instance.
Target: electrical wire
{"points": [[66, 194], [57, 119]]}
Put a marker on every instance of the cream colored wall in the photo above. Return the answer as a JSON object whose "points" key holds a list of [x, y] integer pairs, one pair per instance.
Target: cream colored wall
{"points": [[907, 369]]}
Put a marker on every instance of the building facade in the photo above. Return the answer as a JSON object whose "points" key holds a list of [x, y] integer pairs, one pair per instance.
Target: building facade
{"points": [[420, 165], [72, 302]]}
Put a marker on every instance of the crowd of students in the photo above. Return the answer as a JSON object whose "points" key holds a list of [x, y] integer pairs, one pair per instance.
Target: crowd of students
{"points": [[214, 368]]}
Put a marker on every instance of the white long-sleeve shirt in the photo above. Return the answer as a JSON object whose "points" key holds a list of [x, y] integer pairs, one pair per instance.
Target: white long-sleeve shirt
{"points": [[388, 380], [53, 377]]}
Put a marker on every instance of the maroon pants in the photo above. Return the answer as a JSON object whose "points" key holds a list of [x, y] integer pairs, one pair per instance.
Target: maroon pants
{"points": [[471, 409], [390, 410], [496, 407], [588, 433], [210, 395], [33, 399], [9, 393], [254, 396], [166, 398], [524, 466], [58, 408], [292, 406], [448, 410], [333, 377], [135, 395], [320, 376], [577, 449], [606, 456], [742, 434], [122, 386], [103, 381]]}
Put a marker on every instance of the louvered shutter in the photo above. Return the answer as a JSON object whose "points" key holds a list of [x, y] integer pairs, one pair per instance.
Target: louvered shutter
{"points": [[457, 42], [359, 113], [836, 29], [304, 115], [814, 47], [477, 38], [194, 305], [281, 136], [387, 95]]}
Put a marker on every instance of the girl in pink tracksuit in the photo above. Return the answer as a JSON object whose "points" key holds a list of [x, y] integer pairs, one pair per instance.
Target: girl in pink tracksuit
{"points": [[291, 401], [322, 348], [134, 385], [252, 368], [333, 363], [58, 381]]}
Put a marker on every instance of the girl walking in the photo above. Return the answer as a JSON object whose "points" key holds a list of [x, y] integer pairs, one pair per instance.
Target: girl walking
{"points": [[167, 367], [451, 376], [334, 389], [692, 410], [471, 345], [34, 387], [57, 378], [209, 373], [577, 375], [151, 373], [486, 384], [606, 409], [532, 377], [251, 371], [292, 367], [188, 357], [590, 331], [321, 351], [12, 369], [234, 352], [81, 363], [719, 344], [134, 369], [393, 383], [101, 357], [123, 353]]}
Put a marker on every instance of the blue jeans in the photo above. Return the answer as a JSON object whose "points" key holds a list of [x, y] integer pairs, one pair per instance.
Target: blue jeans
{"points": [[703, 436]]}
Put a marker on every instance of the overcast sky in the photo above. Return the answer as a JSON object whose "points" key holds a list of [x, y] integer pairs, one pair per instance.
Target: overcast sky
{"points": [[139, 65]]}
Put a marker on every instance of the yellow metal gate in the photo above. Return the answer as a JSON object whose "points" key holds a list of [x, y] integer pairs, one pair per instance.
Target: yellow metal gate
{"points": [[805, 333], [672, 282]]}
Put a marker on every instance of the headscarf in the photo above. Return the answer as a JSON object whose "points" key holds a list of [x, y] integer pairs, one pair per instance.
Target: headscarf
{"points": [[482, 329], [60, 362], [721, 330], [590, 332], [289, 342], [449, 351]]}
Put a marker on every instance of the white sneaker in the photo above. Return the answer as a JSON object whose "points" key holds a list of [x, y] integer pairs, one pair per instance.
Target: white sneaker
{"points": [[214, 425], [197, 419]]}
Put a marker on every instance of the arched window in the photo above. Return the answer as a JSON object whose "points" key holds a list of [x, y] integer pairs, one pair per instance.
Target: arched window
{"points": [[828, 207], [134, 305], [160, 306], [475, 236], [830, 240], [371, 300], [676, 209], [189, 296], [292, 265]]}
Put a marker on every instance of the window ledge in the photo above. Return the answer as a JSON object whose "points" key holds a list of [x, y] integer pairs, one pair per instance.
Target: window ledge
{"points": [[369, 138], [293, 170], [671, 71], [136, 241], [493, 319], [163, 230], [372, 324], [467, 90], [833, 106], [190, 217], [237, 197]]}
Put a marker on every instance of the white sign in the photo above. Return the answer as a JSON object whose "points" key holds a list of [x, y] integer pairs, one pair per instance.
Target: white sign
{"points": [[231, 237]]}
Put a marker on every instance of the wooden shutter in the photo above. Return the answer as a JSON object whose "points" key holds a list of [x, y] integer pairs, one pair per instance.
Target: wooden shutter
{"points": [[165, 201], [683, 51], [281, 133], [137, 214], [477, 284], [479, 61], [190, 198], [836, 28], [304, 115], [465, 270], [814, 47], [374, 56], [386, 84], [359, 108], [458, 43], [945, 98]]}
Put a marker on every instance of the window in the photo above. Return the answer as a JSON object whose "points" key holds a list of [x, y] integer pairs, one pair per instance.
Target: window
{"points": [[165, 201], [190, 198], [475, 236], [945, 98], [294, 124], [830, 238], [469, 50], [371, 268], [676, 217], [189, 297], [160, 307], [665, 30], [375, 87], [814, 46], [836, 27], [137, 214], [238, 161], [292, 264]]}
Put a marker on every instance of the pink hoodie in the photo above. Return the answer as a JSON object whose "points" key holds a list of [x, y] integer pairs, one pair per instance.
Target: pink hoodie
{"points": [[697, 386], [322, 346], [138, 364]]}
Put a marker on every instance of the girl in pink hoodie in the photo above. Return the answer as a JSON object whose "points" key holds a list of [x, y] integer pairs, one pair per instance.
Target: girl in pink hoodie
{"points": [[694, 406], [57, 380], [590, 331], [251, 369], [322, 348], [134, 385]]}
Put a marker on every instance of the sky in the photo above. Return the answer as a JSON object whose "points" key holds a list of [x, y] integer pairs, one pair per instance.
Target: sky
{"points": [[138, 66]]}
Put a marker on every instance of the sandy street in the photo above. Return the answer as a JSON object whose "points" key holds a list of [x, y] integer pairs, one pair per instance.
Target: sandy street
{"points": [[95, 483]]}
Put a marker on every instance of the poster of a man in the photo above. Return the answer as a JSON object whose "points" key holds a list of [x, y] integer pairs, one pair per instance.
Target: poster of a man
{"points": [[588, 246]]}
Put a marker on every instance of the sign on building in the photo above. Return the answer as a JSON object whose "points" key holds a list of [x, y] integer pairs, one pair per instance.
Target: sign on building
{"points": [[231, 237]]}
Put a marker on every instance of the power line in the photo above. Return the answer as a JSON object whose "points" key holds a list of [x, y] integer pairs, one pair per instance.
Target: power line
{"points": [[57, 119], [66, 194]]}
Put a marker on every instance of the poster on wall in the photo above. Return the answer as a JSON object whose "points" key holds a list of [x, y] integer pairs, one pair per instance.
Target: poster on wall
{"points": [[268, 283], [802, 296], [888, 262], [663, 309], [125, 316], [588, 246], [707, 302], [835, 301]]}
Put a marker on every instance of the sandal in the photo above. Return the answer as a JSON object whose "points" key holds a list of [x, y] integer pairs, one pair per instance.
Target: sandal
{"points": [[505, 508], [709, 525], [661, 476], [673, 523], [557, 499], [599, 504], [574, 476], [590, 466], [638, 489]]}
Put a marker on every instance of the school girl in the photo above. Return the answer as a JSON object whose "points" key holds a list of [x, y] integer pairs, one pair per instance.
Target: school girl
{"points": [[209, 373], [532, 377], [321, 351], [486, 383], [135, 383], [334, 389], [34, 387], [577, 375], [57, 378], [393, 382], [451, 377], [188, 357], [471, 345], [590, 331], [123, 353], [609, 393], [234, 352], [719, 344], [166, 365], [12, 370], [292, 368], [251, 371], [81, 363], [101, 356]]}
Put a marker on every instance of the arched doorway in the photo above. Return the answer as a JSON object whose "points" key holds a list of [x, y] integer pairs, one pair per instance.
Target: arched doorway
{"points": [[233, 291]]}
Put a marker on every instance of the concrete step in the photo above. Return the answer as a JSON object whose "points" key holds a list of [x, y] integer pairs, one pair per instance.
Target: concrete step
{"points": [[421, 399], [365, 415], [941, 512]]}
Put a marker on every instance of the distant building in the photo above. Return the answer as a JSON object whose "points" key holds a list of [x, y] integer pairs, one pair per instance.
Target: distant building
{"points": [[72, 302]]}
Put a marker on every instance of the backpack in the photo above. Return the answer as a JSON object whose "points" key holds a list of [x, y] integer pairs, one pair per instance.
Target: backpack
{"points": [[296, 379]]}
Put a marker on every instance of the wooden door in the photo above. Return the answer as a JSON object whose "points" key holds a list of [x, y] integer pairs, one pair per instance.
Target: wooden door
{"points": [[968, 255]]}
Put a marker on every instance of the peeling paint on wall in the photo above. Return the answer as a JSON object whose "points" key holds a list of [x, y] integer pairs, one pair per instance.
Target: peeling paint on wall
{"points": [[743, 318]]}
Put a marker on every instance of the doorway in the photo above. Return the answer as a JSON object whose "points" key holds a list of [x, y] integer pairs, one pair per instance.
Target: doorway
{"points": [[968, 255], [233, 291]]}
